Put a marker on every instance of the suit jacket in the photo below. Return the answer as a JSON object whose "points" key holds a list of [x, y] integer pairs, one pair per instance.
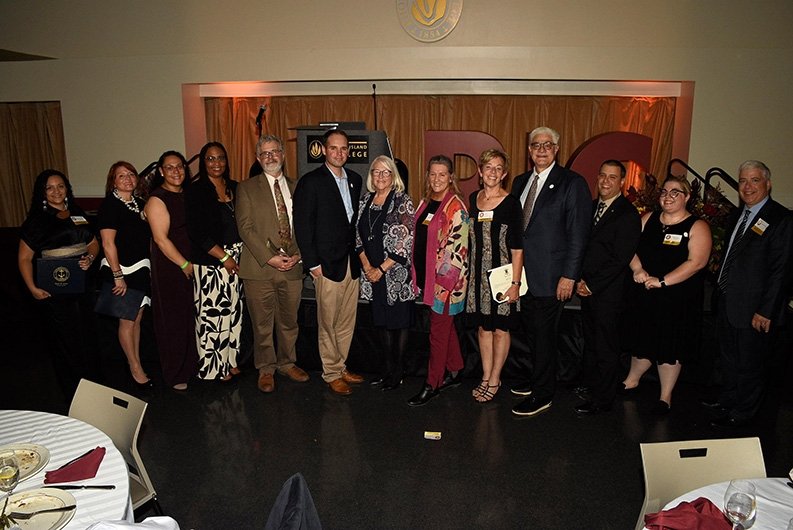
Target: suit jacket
{"points": [[610, 248], [257, 221], [760, 272], [324, 234], [555, 238]]}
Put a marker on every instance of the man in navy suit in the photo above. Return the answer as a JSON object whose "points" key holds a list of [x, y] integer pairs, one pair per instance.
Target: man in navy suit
{"points": [[616, 227], [556, 210], [753, 286], [326, 212]]}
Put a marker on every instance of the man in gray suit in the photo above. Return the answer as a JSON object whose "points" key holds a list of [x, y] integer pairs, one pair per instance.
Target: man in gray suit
{"points": [[269, 268]]}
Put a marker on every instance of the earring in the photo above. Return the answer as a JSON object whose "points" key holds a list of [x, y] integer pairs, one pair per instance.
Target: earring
{"points": [[44, 205], [66, 202]]}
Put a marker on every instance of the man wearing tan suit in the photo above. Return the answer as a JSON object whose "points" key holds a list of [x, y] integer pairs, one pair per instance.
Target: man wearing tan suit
{"points": [[268, 266]]}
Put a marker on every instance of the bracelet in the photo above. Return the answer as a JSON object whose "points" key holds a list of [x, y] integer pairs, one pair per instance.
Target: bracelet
{"points": [[184, 265], [516, 283], [117, 275], [90, 257], [662, 282], [380, 269], [225, 257]]}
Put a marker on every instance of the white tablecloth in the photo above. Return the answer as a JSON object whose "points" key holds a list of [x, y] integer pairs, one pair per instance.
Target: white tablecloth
{"points": [[67, 438], [774, 501]]}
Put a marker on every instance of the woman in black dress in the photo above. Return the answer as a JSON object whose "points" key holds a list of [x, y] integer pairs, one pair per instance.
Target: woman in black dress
{"points": [[216, 247], [495, 241], [674, 247], [125, 241], [384, 244], [56, 227], [172, 273]]}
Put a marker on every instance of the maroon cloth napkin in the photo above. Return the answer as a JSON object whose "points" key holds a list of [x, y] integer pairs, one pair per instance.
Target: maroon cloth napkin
{"points": [[83, 468], [699, 514]]}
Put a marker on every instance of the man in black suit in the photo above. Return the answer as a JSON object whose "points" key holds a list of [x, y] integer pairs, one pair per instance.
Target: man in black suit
{"points": [[616, 227], [753, 280], [325, 214], [556, 210]]}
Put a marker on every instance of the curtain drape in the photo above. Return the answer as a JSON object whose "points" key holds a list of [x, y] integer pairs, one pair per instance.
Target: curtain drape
{"points": [[405, 118], [31, 140]]}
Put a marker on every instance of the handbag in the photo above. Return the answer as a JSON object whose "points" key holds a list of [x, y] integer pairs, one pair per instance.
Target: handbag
{"points": [[125, 307]]}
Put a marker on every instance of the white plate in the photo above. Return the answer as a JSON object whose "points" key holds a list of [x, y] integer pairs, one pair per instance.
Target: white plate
{"points": [[42, 499], [32, 458]]}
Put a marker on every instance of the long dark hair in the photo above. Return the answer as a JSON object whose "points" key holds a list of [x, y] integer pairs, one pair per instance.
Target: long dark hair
{"points": [[158, 179], [202, 165], [38, 202]]}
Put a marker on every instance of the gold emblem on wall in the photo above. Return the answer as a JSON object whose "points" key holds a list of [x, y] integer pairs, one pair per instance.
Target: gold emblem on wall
{"points": [[429, 20]]}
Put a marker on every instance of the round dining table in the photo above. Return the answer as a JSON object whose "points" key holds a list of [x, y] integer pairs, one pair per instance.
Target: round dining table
{"points": [[774, 501], [66, 439]]}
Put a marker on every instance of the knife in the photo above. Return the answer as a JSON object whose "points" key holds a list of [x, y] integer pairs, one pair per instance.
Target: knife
{"points": [[28, 515], [81, 487]]}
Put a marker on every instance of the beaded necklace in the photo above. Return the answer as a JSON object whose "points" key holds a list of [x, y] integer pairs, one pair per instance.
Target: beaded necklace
{"points": [[132, 204]]}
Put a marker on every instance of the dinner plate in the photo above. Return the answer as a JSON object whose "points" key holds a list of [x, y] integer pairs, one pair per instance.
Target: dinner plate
{"points": [[42, 499], [32, 458]]}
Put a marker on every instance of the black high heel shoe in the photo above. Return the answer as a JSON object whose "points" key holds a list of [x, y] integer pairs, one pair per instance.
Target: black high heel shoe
{"points": [[142, 386]]}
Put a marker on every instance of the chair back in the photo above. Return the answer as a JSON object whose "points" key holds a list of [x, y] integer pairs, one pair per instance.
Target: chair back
{"points": [[120, 416], [674, 468]]}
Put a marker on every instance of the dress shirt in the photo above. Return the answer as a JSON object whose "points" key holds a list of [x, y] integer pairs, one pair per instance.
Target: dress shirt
{"points": [[285, 192], [753, 211], [542, 176], [344, 188]]}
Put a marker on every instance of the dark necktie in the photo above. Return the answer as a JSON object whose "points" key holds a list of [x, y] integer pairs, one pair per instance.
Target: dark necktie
{"points": [[599, 212], [284, 231], [725, 268], [529, 204]]}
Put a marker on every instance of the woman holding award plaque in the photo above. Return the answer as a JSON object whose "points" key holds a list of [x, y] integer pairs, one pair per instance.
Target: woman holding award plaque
{"points": [[57, 231], [495, 242]]}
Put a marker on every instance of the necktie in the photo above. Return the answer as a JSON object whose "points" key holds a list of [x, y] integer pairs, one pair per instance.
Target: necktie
{"points": [[529, 204], [284, 231], [599, 212], [725, 268]]}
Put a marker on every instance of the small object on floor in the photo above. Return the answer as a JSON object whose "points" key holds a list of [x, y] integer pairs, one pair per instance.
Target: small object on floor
{"points": [[622, 390], [523, 389], [180, 387], [340, 386], [488, 394], [531, 406], [590, 408], [377, 382], [432, 435], [351, 378], [296, 374], [481, 387], [426, 394], [659, 408], [266, 382], [728, 423], [450, 381]]}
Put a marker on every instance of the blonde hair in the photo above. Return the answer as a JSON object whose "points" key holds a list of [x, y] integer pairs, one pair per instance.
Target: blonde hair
{"points": [[398, 184]]}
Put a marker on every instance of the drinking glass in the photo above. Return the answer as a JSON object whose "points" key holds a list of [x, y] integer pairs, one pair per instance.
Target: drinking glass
{"points": [[740, 502], [9, 476]]}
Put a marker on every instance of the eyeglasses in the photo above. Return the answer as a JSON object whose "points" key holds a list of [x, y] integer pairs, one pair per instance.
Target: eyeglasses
{"points": [[219, 158], [381, 173], [269, 154], [169, 168], [541, 146], [674, 194]]}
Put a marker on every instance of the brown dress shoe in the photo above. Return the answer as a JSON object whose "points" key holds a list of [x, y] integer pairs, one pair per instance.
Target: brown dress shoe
{"points": [[351, 378], [266, 383], [340, 387], [298, 375]]}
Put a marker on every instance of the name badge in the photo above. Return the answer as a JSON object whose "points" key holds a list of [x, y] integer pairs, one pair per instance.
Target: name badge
{"points": [[428, 219], [759, 227], [672, 239], [79, 220], [485, 217]]}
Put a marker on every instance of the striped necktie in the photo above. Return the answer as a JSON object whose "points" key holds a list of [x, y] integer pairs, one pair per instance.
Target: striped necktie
{"points": [[725, 268], [599, 212]]}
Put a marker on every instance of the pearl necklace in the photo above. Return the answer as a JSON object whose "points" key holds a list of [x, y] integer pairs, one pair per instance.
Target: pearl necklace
{"points": [[132, 204]]}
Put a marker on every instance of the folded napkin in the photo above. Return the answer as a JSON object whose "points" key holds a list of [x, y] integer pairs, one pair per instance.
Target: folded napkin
{"points": [[83, 468], [699, 514]]}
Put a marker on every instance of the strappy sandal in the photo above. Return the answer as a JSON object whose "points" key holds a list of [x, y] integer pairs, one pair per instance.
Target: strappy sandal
{"points": [[479, 389], [487, 395]]}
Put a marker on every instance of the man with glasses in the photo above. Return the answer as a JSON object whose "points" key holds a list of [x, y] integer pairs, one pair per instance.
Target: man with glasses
{"points": [[556, 220], [326, 213], [269, 266], [753, 285]]}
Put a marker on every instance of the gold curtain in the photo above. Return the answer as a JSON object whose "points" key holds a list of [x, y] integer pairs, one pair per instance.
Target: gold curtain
{"points": [[31, 140], [405, 118]]}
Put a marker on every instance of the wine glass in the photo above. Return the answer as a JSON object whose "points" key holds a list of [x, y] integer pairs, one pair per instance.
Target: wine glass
{"points": [[9, 476], [740, 502]]}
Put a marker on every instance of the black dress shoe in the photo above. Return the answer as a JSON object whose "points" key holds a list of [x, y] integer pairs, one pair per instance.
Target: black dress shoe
{"points": [[659, 408], [426, 394], [531, 406], [711, 403], [377, 382], [450, 381], [390, 386], [523, 389], [590, 408], [583, 392], [728, 423], [622, 390]]}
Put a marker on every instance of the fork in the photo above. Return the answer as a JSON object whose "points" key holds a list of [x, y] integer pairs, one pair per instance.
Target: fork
{"points": [[28, 515]]}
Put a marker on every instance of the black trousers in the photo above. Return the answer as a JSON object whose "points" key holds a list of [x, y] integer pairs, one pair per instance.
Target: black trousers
{"points": [[601, 319], [540, 316]]}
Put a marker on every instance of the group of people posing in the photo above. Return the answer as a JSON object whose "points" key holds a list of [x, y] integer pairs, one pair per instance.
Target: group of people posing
{"points": [[503, 261]]}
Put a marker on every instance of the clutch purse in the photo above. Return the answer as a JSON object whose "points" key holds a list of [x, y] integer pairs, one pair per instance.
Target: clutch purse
{"points": [[500, 280], [60, 275], [125, 307]]}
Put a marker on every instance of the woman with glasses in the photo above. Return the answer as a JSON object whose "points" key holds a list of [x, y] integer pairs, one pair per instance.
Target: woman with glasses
{"points": [[384, 242], [216, 247], [172, 272], [125, 241], [673, 249]]}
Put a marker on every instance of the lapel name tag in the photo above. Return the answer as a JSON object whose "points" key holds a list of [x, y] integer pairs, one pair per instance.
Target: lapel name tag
{"points": [[759, 227], [428, 219], [673, 239], [485, 217], [79, 220]]}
